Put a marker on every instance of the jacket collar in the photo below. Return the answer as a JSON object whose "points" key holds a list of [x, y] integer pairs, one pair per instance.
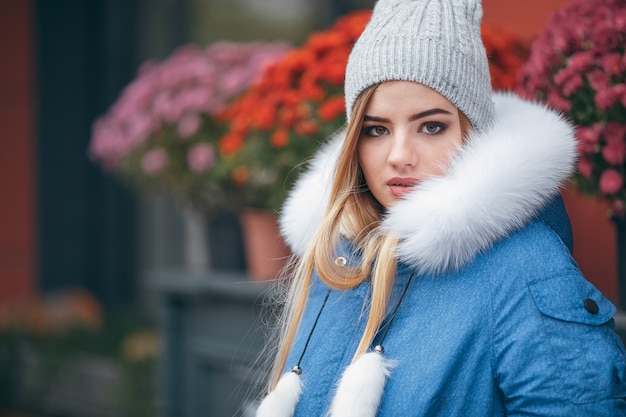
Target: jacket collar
{"points": [[500, 180]]}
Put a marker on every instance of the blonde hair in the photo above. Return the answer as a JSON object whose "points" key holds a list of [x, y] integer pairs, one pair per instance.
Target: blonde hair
{"points": [[352, 213]]}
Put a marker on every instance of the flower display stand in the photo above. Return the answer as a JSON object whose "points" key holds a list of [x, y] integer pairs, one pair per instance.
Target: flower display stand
{"points": [[197, 247], [211, 332]]}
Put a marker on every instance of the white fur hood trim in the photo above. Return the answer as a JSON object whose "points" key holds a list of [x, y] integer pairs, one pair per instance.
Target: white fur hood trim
{"points": [[495, 185]]}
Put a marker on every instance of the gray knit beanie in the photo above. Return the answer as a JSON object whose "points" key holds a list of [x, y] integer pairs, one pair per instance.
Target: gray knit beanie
{"points": [[433, 42]]}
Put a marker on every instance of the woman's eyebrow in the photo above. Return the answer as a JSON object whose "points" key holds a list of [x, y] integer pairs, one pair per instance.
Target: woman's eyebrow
{"points": [[413, 117], [430, 112], [367, 118]]}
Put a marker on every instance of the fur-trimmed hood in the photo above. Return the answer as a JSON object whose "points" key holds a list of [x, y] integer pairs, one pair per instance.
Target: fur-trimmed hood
{"points": [[498, 183]]}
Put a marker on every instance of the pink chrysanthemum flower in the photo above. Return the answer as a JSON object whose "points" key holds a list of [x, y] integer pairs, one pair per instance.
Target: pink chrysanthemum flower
{"points": [[611, 182], [162, 131], [201, 157], [578, 66]]}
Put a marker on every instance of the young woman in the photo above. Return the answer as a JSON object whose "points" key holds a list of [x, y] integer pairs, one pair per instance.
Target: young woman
{"points": [[434, 274]]}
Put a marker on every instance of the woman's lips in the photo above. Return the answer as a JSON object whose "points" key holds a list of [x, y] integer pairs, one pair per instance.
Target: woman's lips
{"points": [[402, 186]]}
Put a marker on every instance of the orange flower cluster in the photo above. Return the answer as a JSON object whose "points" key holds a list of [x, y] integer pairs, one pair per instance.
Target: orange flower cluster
{"points": [[52, 314], [507, 52], [300, 92], [277, 123]]}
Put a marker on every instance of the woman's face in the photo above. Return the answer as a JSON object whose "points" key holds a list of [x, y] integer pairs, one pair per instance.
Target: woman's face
{"points": [[409, 133]]}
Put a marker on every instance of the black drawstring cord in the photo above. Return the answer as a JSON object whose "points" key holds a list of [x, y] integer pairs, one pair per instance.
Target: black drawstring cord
{"points": [[296, 368], [379, 346]]}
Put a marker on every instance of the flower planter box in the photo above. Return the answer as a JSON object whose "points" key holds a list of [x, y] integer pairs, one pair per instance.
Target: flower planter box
{"points": [[85, 386], [79, 372]]}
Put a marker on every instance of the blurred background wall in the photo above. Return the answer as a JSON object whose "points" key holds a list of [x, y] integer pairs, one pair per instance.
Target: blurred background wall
{"points": [[17, 160]]}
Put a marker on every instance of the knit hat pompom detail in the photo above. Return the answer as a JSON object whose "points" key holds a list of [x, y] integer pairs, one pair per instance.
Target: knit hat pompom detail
{"points": [[433, 42]]}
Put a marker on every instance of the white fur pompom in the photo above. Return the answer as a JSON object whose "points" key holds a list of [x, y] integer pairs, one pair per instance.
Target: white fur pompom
{"points": [[361, 387], [282, 401]]}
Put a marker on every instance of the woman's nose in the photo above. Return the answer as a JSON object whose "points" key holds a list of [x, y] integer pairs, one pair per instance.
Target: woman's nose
{"points": [[402, 151]]}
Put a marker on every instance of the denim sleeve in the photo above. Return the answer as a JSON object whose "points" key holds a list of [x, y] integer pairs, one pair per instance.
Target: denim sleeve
{"points": [[556, 352]]}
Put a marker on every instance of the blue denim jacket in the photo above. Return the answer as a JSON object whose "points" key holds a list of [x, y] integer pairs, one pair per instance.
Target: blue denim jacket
{"points": [[517, 332]]}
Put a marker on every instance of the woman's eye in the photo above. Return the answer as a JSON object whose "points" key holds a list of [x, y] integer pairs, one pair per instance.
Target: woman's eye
{"points": [[375, 131], [432, 128]]}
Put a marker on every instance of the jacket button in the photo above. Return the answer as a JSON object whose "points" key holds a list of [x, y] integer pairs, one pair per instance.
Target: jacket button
{"points": [[591, 306]]}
